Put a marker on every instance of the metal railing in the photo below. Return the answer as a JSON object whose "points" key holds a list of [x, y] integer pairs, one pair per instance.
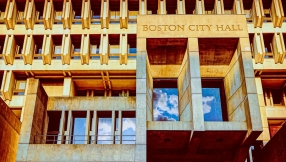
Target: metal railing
{"points": [[84, 139]]}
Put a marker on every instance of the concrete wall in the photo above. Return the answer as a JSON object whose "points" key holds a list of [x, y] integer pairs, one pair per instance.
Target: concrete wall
{"points": [[184, 90], [141, 102], [9, 133], [81, 153], [91, 103], [235, 90], [35, 118]]}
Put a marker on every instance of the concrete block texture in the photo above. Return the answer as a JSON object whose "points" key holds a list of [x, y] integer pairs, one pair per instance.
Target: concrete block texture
{"points": [[141, 65], [91, 103], [83, 153]]}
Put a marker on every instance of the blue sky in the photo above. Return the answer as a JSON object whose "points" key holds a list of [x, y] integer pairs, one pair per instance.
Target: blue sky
{"points": [[165, 104], [211, 104]]}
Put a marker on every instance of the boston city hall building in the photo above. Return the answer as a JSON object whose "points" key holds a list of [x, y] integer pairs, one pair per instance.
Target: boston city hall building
{"points": [[143, 80]]}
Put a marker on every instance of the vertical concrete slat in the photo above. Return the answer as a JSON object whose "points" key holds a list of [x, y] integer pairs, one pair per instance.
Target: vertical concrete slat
{"points": [[30, 14], [47, 49], [67, 14], [86, 14], [10, 16], [68, 132], [8, 84], [113, 119], [104, 49], [28, 49], [181, 8], [258, 47], [10, 49], [278, 48], [161, 7], [257, 13], [48, 14], [85, 49], [143, 7], [124, 14], [123, 49], [104, 14], [87, 128], [61, 137], [120, 126], [67, 49], [200, 7]]}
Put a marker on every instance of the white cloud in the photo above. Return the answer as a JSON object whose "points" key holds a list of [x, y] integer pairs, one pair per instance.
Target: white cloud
{"points": [[104, 130], [128, 123], [164, 103], [206, 107]]}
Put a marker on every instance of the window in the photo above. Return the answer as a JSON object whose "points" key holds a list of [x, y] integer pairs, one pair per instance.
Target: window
{"points": [[79, 127], [165, 100], [273, 97], [20, 87], [213, 100]]}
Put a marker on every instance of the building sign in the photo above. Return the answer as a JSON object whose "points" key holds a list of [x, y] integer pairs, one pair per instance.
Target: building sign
{"points": [[192, 28], [152, 26]]}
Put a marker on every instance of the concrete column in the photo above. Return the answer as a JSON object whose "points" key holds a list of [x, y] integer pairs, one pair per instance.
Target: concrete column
{"points": [[113, 127], [93, 131], [195, 82], [265, 135], [35, 113], [68, 89], [62, 128], [120, 126], [141, 101], [68, 132], [87, 127]]}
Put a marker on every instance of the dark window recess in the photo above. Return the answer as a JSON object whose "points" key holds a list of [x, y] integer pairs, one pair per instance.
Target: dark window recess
{"points": [[277, 96], [165, 83], [214, 100], [53, 127]]}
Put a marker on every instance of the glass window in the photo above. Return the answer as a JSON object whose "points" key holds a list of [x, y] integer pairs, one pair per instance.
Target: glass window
{"points": [[79, 130], [104, 131], [213, 100], [128, 130], [212, 104]]}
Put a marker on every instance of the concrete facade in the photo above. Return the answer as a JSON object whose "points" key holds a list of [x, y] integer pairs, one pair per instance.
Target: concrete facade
{"points": [[99, 61], [9, 133]]}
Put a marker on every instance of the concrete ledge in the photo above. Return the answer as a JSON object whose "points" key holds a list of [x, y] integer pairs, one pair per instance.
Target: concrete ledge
{"points": [[226, 126], [169, 125], [91, 152], [91, 103]]}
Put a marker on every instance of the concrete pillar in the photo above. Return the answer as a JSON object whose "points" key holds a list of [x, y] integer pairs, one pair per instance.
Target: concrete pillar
{"points": [[265, 135], [68, 132], [35, 113], [93, 131], [113, 127], [60, 139], [69, 89], [195, 82], [120, 126], [87, 127], [141, 101]]}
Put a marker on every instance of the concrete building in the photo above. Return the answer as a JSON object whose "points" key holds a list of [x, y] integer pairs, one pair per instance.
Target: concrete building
{"points": [[143, 80]]}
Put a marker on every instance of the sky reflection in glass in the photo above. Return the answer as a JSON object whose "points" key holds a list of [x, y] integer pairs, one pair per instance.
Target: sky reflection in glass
{"points": [[165, 104], [211, 104], [79, 130]]}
